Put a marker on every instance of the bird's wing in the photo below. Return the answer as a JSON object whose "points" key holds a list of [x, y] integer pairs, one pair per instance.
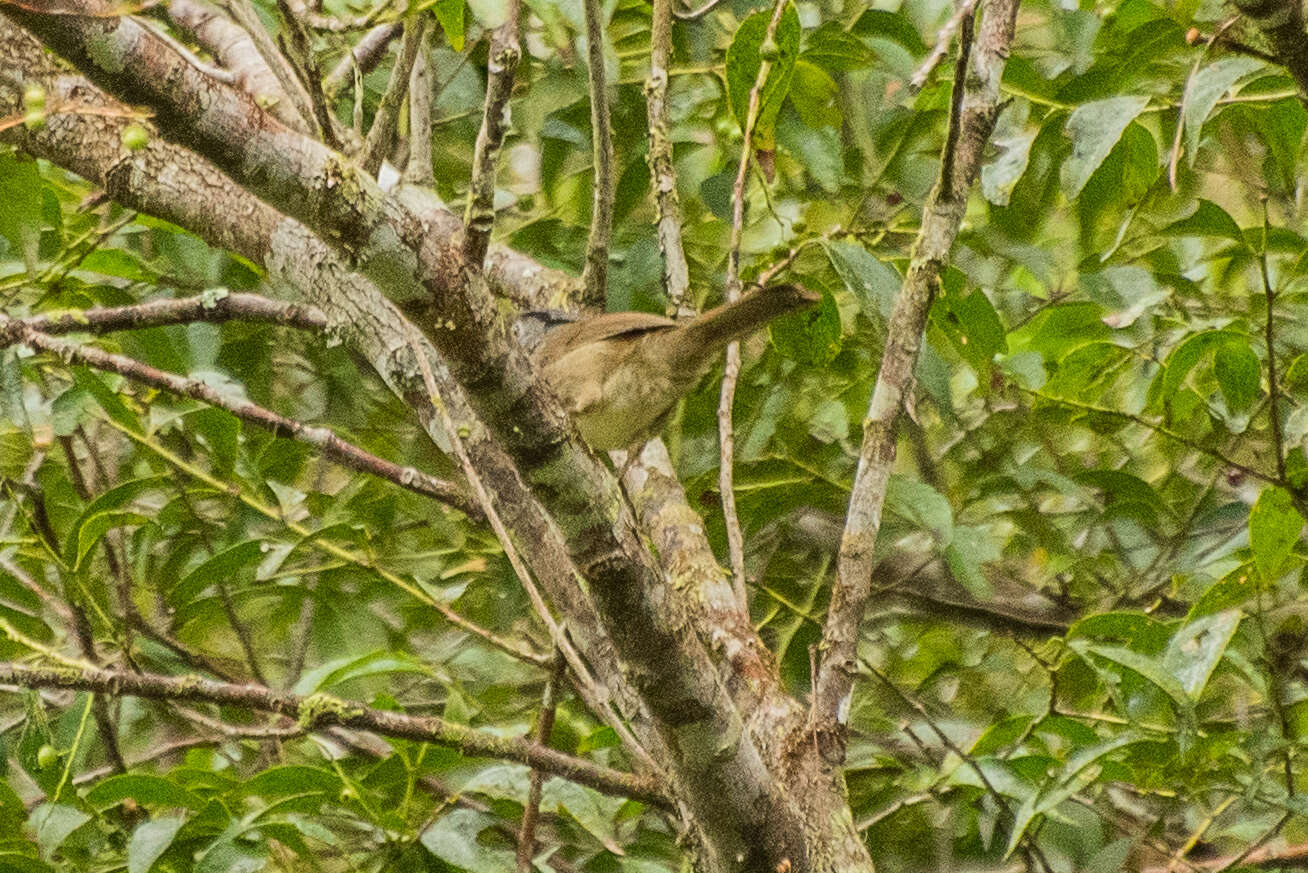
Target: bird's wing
{"points": [[565, 338]]}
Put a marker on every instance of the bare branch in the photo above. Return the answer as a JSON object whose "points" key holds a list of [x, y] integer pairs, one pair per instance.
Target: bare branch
{"points": [[976, 106], [663, 178], [298, 48], [211, 308], [245, 15], [365, 55], [233, 47], [418, 168], [320, 711], [944, 36], [382, 133], [595, 275], [331, 445], [501, 67], [731, 374], [544, 727]]}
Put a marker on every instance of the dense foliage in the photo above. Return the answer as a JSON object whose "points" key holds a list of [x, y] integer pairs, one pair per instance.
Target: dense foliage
{"points": [[1086, 649]]}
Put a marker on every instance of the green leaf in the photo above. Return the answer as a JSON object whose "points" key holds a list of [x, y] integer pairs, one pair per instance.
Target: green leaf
{"points": [[818, 149], [1183, 359], [20, 204], [1070, 779], [1012, 150], [1208, 219], [743, 64], [149, 841], [1196, 648], [918, 502], [811, 337], [874, 282], [109, 400], [344, 669], [1274, 527], [973, 326], [453, 839], [1238, 374], [450, 15], [814, 94], [1094, 129], [53, 822], [892, 26], [1233, 589], [831, 47], [92, 529], [1204, 89], [224, 565], [144, 788], [1149, 668], [291, 780], [21, 862]]}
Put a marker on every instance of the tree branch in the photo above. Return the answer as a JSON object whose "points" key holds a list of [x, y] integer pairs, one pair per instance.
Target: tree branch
{"points": [[320, 711], [663, 178], [1282, 23], [382, 133], [501, 67], [976, 105], [594, 276], [332, 446], [731, 374]]}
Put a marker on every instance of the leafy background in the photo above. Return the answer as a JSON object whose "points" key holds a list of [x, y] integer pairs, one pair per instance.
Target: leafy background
{"points": [[1108, 433]]}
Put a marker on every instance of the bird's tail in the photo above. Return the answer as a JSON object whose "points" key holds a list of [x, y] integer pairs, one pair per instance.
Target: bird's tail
{"points": [[711, 331]]}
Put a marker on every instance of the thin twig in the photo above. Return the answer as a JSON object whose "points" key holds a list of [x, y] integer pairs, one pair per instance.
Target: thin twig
{"points": [[365, 55], [501, 67], [321, 711], [544, 727], [321, 438], [595, 274], [692, 14], [727, 397], [298, 47], [663, 178], [418, 168], [384, 121], [944, 37], [211, 308], [1273, 392], [243, 12]]}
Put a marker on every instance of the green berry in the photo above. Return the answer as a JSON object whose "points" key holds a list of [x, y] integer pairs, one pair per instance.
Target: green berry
{"points": [[47, 756], [34, 119], [135, 137], [769, 50], [34, 97]]}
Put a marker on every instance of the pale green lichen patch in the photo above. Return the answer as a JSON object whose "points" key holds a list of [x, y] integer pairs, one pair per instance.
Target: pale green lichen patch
{"points": [[107, 52], [318, 708]]}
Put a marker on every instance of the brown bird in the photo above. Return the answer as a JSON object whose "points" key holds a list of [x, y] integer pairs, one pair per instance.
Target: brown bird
{"points": [[619, 374]]}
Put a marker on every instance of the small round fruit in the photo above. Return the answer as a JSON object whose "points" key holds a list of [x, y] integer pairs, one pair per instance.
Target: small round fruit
{"points": [[34, 119], [135, 137], [34, 97], [47, 756], [769, 50]]}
